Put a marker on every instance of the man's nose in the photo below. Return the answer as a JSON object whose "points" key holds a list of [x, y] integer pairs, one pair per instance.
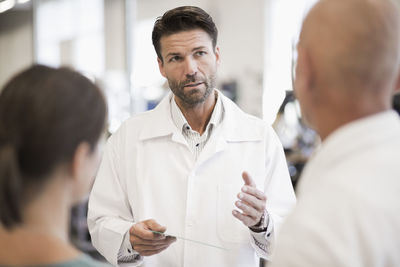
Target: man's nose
{"points": [[190, 67]]}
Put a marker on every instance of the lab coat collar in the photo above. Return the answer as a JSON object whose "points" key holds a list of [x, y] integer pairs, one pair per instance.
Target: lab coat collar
{"points": [[236, 126], [159, 122], [357, 136]]}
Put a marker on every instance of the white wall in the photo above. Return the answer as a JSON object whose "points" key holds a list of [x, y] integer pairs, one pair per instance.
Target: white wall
{"points": [[16, 43], [241, 28], [114, 23]]}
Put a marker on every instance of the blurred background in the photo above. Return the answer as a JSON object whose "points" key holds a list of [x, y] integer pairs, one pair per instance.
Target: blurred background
{"points": [[110, 42]]}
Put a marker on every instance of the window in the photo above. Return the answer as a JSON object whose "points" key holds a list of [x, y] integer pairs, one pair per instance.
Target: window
{"points": [[282, 27]]}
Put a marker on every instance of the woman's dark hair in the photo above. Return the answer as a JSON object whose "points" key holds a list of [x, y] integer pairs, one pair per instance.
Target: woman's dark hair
{"points": [[45, 113], [180, 19], [396, 102]]}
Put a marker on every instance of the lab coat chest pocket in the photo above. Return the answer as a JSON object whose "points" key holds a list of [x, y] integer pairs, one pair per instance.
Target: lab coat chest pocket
{"points": [[245, 156], [229, 229]]}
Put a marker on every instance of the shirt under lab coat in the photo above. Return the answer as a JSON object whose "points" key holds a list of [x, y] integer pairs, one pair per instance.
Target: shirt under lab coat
{"points": [[148, 171]]}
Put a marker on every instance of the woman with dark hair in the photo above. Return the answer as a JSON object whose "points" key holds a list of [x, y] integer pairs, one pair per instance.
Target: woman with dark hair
{"points": [[51, 133]]}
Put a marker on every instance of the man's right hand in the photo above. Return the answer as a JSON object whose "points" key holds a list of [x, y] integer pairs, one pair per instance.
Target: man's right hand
{"points": [[147, 243]]}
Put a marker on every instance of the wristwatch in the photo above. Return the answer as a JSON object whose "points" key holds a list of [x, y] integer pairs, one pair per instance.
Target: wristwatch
{"points": [[262, 225]]}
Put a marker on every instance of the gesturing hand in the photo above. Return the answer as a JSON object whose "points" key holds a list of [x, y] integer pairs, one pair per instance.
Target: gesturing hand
{"points": [[147, 243], [251, 202]]}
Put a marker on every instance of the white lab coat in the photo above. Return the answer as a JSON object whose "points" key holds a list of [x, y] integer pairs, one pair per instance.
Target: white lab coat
{"points": [[348, 211], [148, 171]]}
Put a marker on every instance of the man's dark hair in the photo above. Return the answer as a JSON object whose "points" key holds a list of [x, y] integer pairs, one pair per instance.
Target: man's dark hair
{"points": [[181, 19], [45, 113]]}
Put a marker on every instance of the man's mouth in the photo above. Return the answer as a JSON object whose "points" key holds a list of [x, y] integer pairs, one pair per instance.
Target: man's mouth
{"points": [[192, 84]]}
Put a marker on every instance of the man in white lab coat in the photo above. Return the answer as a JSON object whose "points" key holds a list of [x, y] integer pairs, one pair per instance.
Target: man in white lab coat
{"points": [[348, 211], [182, 168]]}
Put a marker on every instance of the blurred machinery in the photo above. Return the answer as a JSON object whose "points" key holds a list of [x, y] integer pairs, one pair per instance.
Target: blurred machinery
{"points": [[79, 233], [297, 139]]}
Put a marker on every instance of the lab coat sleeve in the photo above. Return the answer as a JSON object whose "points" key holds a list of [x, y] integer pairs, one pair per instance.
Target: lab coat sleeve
{"points": [[127, 254], [109, 213], [280, 195], [261, 241]]}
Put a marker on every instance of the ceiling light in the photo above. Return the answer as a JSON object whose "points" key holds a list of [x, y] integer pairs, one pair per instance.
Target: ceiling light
{"points": [[6, 5]]}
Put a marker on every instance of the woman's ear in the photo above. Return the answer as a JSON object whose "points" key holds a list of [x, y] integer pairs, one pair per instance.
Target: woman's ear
{"points": [[79, 160], [397, 88], [82, 172], [85, 163]]}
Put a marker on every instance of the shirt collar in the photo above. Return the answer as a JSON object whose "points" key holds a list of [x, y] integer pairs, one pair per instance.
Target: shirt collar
{"points": [[181, 123], [235, 125], [358, 135]]}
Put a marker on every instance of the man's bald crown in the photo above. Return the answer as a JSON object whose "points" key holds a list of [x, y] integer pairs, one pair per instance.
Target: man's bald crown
{"points": [[353, 43]]}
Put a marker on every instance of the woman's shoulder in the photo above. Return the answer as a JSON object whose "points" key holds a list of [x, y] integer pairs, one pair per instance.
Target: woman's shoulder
{"points": [[82, 261]]}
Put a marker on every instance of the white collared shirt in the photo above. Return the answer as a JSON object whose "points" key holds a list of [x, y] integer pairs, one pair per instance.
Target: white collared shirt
{"points": [[348, 211], [196, 141]]}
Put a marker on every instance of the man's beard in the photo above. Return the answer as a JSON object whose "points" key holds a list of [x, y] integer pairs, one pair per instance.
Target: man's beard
{"points": [[192, 97]]}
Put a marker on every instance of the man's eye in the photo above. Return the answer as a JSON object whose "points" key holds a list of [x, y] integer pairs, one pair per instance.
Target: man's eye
{"points": [[174, 58], [200, 53]]}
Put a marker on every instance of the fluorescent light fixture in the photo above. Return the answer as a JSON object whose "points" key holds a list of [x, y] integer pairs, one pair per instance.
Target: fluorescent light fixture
{"points": [[23, 1], [6, 5]]}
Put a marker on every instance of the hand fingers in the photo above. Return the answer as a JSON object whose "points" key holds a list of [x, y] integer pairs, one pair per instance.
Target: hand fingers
{"points": [[147, 243], [142, 230], [140, 248], [143, 233], [248, 221], [254, 192], [153, 225], [248, 210], [151, 252], [247, 179], [139, 241], [252, 201]]}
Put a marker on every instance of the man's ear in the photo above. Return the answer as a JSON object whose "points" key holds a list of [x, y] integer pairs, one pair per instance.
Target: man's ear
{"points": [[79, 160], [217, 55], [161, 66], [304, 72]]}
